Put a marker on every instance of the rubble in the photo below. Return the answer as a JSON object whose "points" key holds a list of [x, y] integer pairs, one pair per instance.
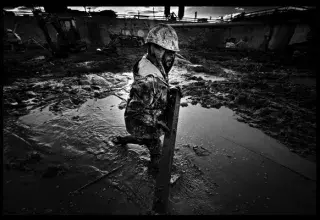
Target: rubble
{"points": [[174, 178], [201, 151], [184, 104]]}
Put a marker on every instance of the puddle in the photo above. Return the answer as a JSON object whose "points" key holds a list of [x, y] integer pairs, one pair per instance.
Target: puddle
{"points": [[83, 133], [178, 76], [102, 117], [37, 116], [98, 119], [194, 127]]}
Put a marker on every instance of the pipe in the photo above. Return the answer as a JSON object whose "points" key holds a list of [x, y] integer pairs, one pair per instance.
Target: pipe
{"points": [[226, 24], [217, 25]]}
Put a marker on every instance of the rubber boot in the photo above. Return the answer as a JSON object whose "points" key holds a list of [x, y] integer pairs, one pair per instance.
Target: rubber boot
{"points": [[155, 154]]}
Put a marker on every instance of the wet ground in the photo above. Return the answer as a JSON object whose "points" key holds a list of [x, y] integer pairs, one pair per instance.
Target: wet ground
{"points": [[57, 126]]}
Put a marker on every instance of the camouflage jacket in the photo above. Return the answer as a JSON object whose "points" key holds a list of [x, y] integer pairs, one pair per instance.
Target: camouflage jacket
{"points": [[147, 101]]}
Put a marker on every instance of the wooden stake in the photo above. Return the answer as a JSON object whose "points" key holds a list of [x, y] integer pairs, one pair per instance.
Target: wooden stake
{"points": [[162, 190]]}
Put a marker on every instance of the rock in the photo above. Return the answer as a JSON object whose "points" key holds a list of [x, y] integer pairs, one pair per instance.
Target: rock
{"points": [[75, 117], [200, 151], [96, 94], [230, 45], [174, 178], [39, 58], [95, 151], [197, 68], [50, 97], [254, 125], [194, 102], [122, 105], [95, 87], [73, 91], [98, 80], [194, 78], [87, 88], [174, 82], [76, 100], [184, 104], [84, 82], [31, 94], [231, 97]]}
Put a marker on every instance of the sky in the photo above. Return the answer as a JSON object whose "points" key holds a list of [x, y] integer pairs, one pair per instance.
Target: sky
{"points": [[202, 12]]}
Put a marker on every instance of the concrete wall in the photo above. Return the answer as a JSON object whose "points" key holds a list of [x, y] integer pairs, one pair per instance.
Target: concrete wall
{"points": [[27, 27], [216, 37], [281, 36], [300, 34], [260, 36], [95, 31]]}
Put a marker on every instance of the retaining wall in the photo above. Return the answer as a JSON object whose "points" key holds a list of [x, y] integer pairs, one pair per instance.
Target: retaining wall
{"points": [[95, 31]]}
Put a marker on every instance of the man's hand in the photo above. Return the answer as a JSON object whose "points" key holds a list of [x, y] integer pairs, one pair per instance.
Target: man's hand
{"points": [[164, 127], [175, 88]]}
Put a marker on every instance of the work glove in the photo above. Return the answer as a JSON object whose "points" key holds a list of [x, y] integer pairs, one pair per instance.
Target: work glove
{"points": [[174, 88], [163, 126]]}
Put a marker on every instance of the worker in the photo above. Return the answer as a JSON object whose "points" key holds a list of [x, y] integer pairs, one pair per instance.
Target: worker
{"points": [[150, 94]]}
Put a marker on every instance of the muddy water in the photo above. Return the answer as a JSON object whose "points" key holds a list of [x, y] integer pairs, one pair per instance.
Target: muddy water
{"points": [[178, 74], [229, 154]]}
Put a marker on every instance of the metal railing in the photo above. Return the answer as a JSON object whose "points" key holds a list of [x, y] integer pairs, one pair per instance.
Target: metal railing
{"points": [[163, 18], [272, 11]]}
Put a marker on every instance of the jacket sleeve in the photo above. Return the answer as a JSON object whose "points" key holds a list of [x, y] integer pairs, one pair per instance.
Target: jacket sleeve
{"points": [[142, 93]]}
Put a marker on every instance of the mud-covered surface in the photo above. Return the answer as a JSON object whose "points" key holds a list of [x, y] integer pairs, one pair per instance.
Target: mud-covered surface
{"points": [[33, 81], [59, 115], [280, 100]]}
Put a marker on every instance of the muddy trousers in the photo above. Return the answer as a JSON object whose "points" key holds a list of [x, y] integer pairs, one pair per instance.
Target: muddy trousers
{"points": [[153, 145]]}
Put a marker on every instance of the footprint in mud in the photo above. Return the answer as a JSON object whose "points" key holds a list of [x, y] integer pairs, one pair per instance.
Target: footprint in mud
{"points": [[199, 150], [193, 194]]}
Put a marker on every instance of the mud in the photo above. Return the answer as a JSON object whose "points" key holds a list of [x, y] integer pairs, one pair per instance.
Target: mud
{"points": [[59, 114], [265, 96]]}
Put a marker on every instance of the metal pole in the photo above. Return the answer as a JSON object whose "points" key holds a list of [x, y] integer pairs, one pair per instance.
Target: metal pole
{"points": [[215, 25]]}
